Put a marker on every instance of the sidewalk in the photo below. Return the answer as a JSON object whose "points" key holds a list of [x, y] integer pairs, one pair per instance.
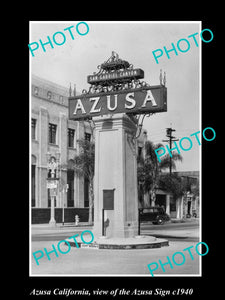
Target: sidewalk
{"points": [[59, 225], [82, 224], [67, 227], [159, 230], [185, 220], [184, 229]]}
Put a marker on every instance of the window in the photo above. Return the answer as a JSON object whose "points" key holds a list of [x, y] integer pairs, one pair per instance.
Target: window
{"points": [[33, 185], [87, 136], [52, 133], [49, 95], [70, 192], [33, 180], [33, 129], [36, 90], [86, 192], [71, 134]]}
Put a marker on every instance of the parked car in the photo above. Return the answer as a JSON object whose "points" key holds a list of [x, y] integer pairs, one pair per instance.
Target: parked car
{"points": [[156, 215]]}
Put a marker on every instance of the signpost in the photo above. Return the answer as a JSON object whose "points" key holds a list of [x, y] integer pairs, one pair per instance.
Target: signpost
{"points": [[115, 97], [52, 182]]}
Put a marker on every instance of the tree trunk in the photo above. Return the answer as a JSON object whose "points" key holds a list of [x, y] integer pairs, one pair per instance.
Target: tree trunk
{"points": [[146, 199], [153, 195], [91, 202]]}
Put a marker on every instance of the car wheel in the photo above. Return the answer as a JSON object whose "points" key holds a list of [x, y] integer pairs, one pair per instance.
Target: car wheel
{"points": [[160, 221]]}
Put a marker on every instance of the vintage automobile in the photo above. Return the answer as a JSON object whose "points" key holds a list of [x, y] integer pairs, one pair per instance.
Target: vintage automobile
{"points": [[156, 215]]}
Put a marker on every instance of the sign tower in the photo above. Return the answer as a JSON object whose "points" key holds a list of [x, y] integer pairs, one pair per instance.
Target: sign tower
{"points": [[115, 100]]}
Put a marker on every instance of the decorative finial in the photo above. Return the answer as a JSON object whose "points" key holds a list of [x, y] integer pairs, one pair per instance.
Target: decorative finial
{"points": [[74, 90], [160, 77], [115, 56], [164, 79]]}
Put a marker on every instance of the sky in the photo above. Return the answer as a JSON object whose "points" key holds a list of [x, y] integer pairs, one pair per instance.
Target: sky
{"points": [[134, 42]]}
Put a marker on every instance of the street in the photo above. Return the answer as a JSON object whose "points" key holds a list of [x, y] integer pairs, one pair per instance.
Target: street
{"points": [[188, 231], [115, 262], [171, 231]]}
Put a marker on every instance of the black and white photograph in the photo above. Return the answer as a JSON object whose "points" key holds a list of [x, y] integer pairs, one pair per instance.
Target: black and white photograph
{"points": [[115, 154]]}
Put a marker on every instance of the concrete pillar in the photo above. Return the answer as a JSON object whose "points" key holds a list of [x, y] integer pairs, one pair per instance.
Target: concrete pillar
{"points": [[178, 208], [168, 204], [146, 199], [116, 168], [181, 207]]}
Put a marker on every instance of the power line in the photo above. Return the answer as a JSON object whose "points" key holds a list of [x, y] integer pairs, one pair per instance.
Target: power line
{"points": [[170, 140]]}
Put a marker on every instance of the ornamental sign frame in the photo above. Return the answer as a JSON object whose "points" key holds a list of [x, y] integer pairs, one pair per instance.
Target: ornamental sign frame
{"points": [[117, 88]]}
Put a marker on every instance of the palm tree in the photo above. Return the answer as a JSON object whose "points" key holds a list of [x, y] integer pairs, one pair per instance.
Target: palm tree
{"points": [[84, 167], [149, 170]]}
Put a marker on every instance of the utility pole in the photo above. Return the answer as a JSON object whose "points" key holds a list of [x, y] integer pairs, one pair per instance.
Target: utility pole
{"points": [[170, 140]]}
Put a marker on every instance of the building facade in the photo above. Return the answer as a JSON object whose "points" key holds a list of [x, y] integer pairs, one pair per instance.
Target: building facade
{"points": [[182, 207], [52, 132], [186, 206], [190, 202]]}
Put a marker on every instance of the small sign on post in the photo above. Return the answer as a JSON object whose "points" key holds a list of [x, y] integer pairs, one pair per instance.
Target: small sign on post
{"points": [[52, 184], [108, 204], [108, 199], [53, 192]]}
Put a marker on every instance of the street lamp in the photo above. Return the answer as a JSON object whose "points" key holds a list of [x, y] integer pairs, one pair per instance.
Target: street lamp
{"points": [[52, 182]]}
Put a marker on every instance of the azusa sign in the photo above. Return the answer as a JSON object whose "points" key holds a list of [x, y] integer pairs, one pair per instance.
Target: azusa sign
{"points": [[149, 99]]}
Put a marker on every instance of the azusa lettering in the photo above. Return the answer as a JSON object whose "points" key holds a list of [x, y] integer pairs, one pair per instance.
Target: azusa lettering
{"points": [[112, 105], [59, 37]]}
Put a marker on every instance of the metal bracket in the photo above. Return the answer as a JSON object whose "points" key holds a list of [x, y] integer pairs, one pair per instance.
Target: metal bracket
{"points": [[140, 124]]}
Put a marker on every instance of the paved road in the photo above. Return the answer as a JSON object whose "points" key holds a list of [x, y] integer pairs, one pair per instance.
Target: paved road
{"points": [[188, 231], [189, 224], [108, 262]]}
